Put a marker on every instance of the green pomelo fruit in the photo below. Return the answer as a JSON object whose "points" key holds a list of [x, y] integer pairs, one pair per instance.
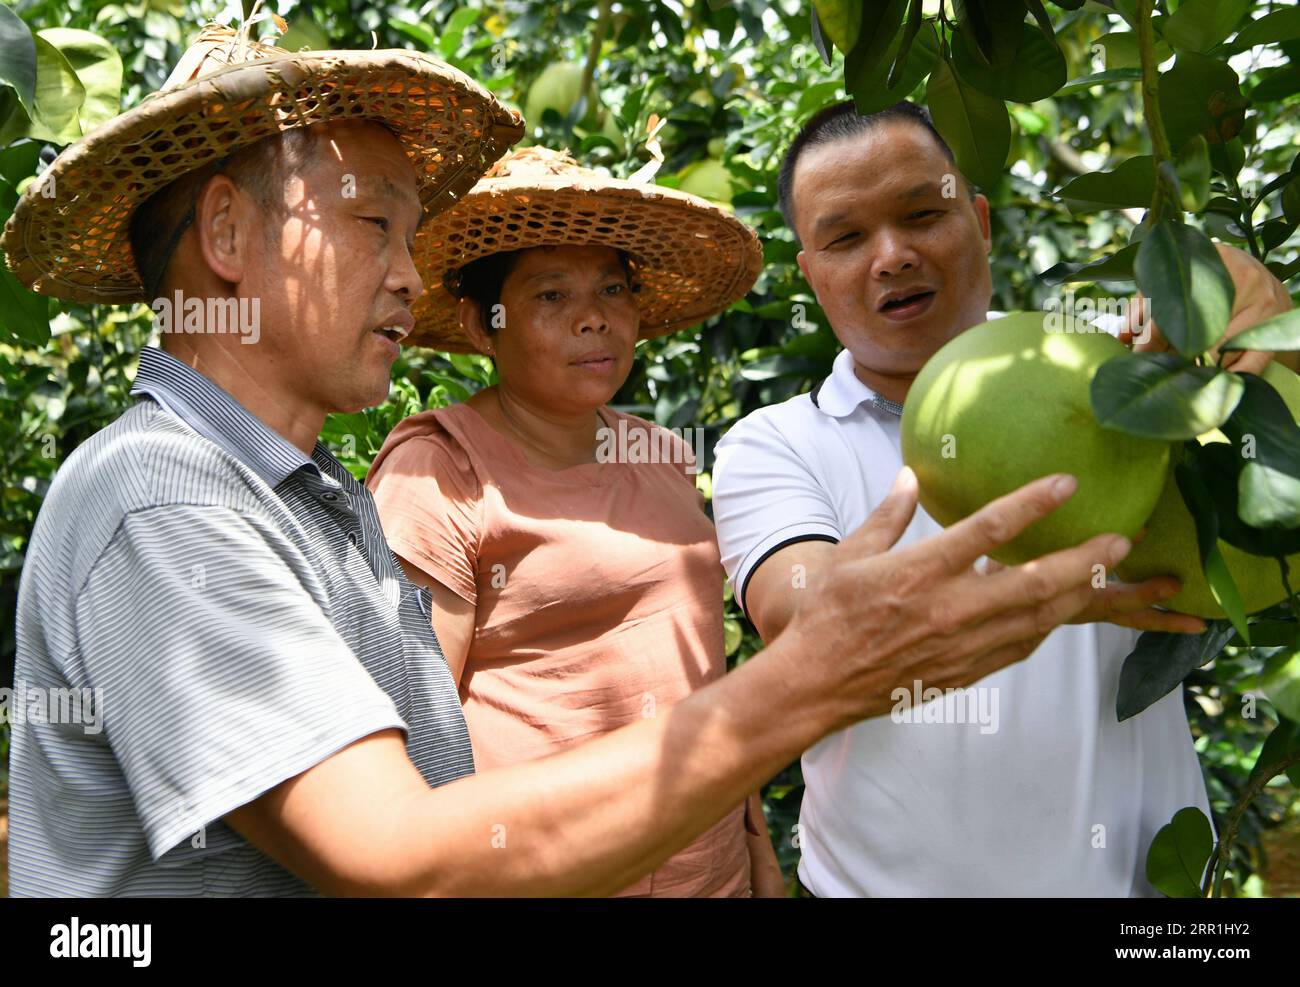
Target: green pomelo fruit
{"points": [[708, 179], [557, 88], [1170, 549], [1007, 402]]}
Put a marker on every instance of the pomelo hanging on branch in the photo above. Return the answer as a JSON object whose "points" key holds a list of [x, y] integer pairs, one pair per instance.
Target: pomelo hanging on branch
{"points": [[557, 88], [1007, 402], [1170, 546], [708, 178]]}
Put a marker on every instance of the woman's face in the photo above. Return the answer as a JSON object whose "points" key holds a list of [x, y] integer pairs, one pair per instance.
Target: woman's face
{"points": [[570, 327]]}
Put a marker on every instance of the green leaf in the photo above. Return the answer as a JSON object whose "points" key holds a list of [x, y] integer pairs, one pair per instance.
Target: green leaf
{"points": [[1035, 71], [99, 69], [17, 57], [457, 25], [1132, 184], [1228, 157], [1277, 83], [1076, 86], [910, 31], [26, 314], [1196, 495], [1220, 465], [1269, 634], [475, 366], [1280, 681], [976, 126], [14, 120], [1201, 95], [1269, 484], [1193, 168], [417, 32], [868, 88], [1279, 334], [1291, 199], [1279, 742], [819, 38], [1117, 267], [992, 28], [841, 21], [1161, 396], [881, 34], [1120, 50], [19, 162], [1128, 10], [1199, 25], [1191, 292], [1043, 18], [1159, 662], [1179, 854], [1280, 25], [59, 95]]}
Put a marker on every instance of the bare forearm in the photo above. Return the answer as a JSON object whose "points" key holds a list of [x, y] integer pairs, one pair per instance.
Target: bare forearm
{"points": [[592, 820]]}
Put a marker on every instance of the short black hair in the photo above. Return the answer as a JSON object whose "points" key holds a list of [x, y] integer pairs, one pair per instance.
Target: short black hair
{"points": [[481, 280], [262, 168], [841, 121]]}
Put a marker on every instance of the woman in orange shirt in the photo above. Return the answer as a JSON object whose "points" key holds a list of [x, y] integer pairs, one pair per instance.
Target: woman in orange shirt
{"points": [[575, 580]]}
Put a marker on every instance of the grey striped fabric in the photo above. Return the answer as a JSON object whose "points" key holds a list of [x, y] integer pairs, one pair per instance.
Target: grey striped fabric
{"points": [[235, 611]]}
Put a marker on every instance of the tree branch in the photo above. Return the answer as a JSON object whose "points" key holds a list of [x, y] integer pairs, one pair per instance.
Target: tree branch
{"points": [[1234, 819], [593, 52], [1166, 195]]}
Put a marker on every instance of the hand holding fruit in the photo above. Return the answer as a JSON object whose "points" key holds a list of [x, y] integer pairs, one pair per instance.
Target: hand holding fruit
{"points": [[1132, 605], [1259, 296], [883, 619]]}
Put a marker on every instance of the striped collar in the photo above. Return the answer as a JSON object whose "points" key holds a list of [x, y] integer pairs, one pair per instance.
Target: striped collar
{"points": [[840, 394], [218, 417]]}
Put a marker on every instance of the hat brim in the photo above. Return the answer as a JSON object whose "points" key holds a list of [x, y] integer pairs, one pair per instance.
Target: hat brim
{"points": [[69, 235], [693, 258]]}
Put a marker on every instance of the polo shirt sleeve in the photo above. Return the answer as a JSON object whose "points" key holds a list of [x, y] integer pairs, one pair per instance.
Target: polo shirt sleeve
{"points": [[430, 505], [221, 675], [766, 496]]}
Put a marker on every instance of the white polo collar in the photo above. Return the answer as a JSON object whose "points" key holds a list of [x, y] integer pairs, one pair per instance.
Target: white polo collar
{"points": [[842, 393]]}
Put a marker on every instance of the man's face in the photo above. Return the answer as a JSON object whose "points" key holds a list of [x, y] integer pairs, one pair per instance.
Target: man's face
{"points": [[894, 247], [339, 270]]}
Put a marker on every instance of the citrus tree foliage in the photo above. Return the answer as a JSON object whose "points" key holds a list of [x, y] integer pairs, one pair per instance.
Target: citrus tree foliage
{"points": [[1042, 104]]}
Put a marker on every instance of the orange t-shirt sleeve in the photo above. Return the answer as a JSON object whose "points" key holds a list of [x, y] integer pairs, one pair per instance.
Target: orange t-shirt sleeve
{"points": [[430, 505]]}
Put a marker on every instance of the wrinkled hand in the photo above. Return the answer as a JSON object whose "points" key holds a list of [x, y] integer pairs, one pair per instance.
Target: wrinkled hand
{"points": [[882, 619], [1130, 605], [1259, 296]]}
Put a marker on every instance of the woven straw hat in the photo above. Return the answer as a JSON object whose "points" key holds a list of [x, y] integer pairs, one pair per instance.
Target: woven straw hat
{"points": [[228, 92], [692, 258]]}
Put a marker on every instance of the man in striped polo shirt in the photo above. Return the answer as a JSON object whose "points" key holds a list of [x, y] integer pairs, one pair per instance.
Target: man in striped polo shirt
{"points": [[277, 717]]}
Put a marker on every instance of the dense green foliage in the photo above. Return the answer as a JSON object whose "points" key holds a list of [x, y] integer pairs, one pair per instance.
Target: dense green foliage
{"points": [[734, 80]]}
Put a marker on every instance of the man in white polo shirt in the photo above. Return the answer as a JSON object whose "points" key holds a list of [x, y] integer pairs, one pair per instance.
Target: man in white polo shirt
{"points": [[1025, 784]]}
